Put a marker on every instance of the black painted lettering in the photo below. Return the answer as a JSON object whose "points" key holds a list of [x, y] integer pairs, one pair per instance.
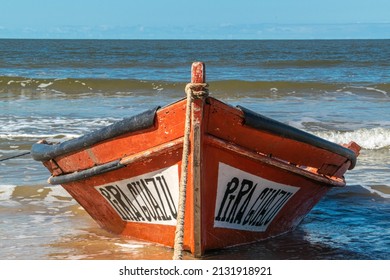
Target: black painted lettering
{"points": [[263, 210], [156, 206], [244, 205], [147, 199], [277, 206], [253, 211], [168, 196], [132, 187], [109, 192], [228, 195], [145, 196], [113, 202], [246, 186], [114, 196], [130, 207], [162, 204]]}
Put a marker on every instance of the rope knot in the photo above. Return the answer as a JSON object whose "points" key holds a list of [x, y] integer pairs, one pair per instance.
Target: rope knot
{"points": [[197, 90]]}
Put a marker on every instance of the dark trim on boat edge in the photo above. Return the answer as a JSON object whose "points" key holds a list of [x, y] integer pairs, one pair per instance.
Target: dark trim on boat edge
{"points": [[261, 122], [44, 152], [85, 174]]}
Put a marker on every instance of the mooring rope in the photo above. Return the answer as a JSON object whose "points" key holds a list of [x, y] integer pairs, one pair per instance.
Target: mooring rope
{"points": [[193, 90], [16, 156]]}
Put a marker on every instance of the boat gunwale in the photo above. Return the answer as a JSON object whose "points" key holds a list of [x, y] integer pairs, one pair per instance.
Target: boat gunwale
{"points": [[272, 161], [261, 122], [44, 151], [115, 164]]}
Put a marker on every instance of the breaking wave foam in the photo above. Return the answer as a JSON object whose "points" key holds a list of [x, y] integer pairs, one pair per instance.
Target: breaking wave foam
{"points": [[229, 87], [371, 139]]}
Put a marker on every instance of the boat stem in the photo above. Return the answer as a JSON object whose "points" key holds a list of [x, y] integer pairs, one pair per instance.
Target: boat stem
{"points": [[196, 89]]}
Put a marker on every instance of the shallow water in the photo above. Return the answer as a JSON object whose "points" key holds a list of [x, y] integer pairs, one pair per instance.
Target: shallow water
{"points": [[46, 223]]}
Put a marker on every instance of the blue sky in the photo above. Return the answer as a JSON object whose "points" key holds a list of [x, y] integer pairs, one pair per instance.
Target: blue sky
{"points": [[198, 19]]}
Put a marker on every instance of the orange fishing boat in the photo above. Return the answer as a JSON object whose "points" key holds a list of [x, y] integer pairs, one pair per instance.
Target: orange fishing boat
{"points": [[197, 174]]}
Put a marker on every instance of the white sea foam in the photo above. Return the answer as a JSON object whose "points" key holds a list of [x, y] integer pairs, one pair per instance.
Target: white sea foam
{"points": [[6, 192], [63, 136], [130, 246], [377, 90], [371, 139], [44, 85], [381, 194], [362, 89], [54, 128]]}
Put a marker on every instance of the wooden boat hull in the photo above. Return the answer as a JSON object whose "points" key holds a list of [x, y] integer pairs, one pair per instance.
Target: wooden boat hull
{"points": [[249, 177]]}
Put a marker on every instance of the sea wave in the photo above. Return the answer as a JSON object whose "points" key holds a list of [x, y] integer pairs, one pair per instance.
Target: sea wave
{"points": [[293, 88], [382, 190], [223, 88], [368, 138], [62, 136], [35, 128], [19, 85]]}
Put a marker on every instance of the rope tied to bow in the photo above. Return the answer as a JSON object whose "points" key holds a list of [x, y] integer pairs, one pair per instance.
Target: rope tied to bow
{"points": [[197, 90], [193, 91]]}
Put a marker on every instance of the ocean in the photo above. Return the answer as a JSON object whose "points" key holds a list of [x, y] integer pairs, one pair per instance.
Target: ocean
{"points": [[61, 89]]}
